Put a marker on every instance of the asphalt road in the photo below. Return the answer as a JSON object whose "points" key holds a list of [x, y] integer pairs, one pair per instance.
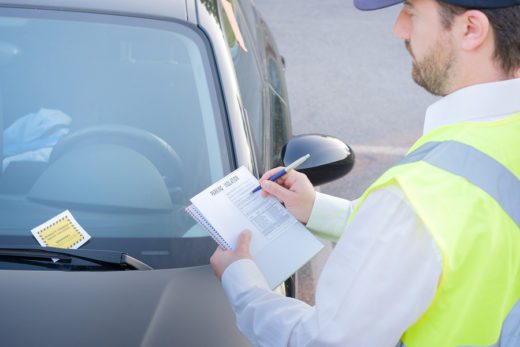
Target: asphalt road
{"points": [[348, 77]]}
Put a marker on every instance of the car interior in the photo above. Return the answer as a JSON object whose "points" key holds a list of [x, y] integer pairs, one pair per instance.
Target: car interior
{"points": [[128, 120]]}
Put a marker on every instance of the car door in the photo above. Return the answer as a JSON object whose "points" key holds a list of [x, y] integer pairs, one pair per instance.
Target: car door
{"points": [[249, 75], [272, 66]]}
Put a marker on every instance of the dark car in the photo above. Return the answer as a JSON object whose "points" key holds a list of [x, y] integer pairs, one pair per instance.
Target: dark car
{"points": [[119, 112]]}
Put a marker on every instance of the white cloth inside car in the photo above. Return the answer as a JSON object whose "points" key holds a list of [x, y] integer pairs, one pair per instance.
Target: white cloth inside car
{"points": [[32, 137]]}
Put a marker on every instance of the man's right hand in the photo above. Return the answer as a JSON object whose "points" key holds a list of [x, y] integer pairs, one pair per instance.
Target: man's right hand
{"points": [[293, 189]]}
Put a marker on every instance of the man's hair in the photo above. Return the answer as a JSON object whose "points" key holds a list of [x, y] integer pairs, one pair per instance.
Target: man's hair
{"points": [[506, 28]]}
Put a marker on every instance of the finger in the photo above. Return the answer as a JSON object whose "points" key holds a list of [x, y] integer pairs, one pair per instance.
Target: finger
{"points": [[243, 242], [294, 176], [216, 255], [288, 179], [281, 181], [218, 252], [277, 190], [270, 173]]}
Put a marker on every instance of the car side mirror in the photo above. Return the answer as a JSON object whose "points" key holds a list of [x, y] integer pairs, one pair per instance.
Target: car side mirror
{"points": [[330, 158]]}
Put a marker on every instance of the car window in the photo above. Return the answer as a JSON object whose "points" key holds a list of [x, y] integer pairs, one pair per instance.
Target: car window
{"points": [[250, 80], [117, 120], [248, 12]]}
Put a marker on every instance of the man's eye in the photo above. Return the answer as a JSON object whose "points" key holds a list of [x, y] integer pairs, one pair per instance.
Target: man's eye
{"points": [[408, 8]]}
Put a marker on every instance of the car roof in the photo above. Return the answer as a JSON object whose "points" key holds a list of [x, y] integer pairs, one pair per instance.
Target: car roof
{"points": [[173, 9]]}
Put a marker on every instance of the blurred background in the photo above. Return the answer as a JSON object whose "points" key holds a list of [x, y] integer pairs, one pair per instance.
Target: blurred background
{"points": [[348, 77]]}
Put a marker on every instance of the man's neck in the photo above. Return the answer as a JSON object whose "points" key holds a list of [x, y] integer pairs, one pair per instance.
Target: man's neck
{"points": [[479, 102], [481, 78]]}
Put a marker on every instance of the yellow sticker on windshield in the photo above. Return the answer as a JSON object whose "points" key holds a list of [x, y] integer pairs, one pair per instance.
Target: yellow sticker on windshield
{"points": [[62, 231]]}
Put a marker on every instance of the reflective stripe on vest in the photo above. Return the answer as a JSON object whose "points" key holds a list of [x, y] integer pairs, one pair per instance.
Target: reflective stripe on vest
{"points": [[477, 167], [462, 181], [492, 177]]}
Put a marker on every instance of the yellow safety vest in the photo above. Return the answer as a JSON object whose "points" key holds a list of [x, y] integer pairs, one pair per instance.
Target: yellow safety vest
{"points": [[463, 182]]}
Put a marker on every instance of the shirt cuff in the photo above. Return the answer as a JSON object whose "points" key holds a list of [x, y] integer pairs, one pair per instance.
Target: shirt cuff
{"points": [[240, 277], [329, 216]]}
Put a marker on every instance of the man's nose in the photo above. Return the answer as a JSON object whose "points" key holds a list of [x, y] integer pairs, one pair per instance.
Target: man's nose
{"points": [[402, 26]]}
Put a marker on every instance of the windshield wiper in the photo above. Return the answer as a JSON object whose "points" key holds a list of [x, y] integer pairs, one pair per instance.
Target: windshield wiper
{"points": [[110, 260]]}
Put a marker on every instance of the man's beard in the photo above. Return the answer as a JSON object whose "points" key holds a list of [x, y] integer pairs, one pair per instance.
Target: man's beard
{"points": [[434, 71]]}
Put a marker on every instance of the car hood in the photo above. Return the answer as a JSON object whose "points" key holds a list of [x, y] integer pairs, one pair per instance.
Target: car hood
{"points": [[173, 307]]}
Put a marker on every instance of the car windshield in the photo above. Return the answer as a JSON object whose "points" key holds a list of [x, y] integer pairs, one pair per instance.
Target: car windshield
{"points": [[117, 120]]}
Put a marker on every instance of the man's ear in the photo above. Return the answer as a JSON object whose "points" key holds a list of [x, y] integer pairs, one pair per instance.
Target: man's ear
{"points": [[474, 29]]}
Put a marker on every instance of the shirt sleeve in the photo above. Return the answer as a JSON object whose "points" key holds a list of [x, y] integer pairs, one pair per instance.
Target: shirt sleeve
{"points": [[380, 279], [329, 216]]}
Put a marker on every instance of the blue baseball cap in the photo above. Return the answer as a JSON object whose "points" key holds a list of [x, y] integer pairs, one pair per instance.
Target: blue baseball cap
{"points": [[367, 5]]}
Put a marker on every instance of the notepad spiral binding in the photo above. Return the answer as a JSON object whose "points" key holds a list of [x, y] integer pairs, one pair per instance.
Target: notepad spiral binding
{"points": [[197, 215]]}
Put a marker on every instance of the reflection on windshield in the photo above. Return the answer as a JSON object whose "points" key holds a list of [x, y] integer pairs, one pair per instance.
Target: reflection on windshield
{"points": [[115, 122]]}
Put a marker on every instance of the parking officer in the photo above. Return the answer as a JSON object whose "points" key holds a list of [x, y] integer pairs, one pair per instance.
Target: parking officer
{"points": [[430, 254]]}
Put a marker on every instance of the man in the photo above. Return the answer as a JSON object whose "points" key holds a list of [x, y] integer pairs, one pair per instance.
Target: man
{"points": [[430, 254]]}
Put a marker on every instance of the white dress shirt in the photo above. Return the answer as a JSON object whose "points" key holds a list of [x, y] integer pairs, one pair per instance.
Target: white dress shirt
{"points": [[383, 273]]}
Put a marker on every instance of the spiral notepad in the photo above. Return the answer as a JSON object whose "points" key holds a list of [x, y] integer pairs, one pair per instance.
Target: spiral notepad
{"points": [[279, 245], [195, 214]]}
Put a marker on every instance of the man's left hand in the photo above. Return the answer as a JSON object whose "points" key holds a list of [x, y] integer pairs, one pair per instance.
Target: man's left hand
{"points": [[221, 258]]}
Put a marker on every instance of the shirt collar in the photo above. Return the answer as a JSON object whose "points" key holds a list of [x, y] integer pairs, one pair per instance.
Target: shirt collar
{"points": [[480, 102]]}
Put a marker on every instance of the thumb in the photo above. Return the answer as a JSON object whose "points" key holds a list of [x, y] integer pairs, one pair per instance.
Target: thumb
{"points": [[243, 242], [276, 190]]}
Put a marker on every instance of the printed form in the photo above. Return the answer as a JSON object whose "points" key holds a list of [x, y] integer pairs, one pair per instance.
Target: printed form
{"points": [[265, 217], [280, 244]]}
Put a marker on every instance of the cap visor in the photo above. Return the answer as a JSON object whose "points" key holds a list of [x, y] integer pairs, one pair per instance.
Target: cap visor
{"points": [[368, 5]]}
